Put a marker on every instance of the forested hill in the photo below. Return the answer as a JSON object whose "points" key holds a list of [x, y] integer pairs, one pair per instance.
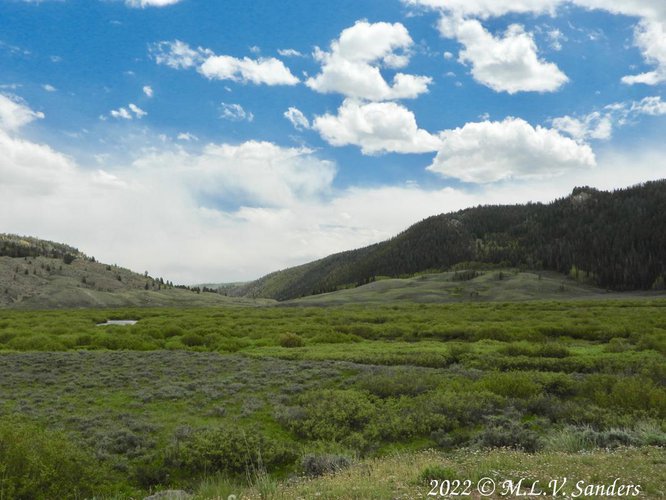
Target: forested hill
{"points": [[12, 245], [616, 239]]}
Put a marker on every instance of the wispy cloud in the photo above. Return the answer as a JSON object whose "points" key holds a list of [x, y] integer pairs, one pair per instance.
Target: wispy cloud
{"points": [[132, 111], [235, 112]]}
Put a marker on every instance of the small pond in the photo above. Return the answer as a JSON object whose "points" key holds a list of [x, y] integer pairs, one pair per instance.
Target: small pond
{"points": [[121, 322]]}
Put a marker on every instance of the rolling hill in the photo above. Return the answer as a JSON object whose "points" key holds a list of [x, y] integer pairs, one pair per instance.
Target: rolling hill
{"points": [[39, 274], [615, 240], [500, 285]]}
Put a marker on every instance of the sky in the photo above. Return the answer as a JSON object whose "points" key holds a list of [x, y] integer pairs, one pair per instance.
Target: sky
{"points": [[208, 141]]}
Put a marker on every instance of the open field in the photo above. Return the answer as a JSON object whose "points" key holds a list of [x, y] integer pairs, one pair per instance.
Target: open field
{"points": [[411, 475], [224, 400]]}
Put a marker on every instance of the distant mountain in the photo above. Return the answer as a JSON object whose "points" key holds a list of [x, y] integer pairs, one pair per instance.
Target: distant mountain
{"points": [[616, 240], [36, 273]]}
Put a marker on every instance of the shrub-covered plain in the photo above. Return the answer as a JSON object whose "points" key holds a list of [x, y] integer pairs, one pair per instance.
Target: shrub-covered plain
{"points": [[242, 397]]}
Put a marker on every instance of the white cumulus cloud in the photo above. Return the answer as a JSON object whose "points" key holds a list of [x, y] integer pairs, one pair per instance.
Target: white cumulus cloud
{"points": [[263, 70], [375, 127], [650, 37], [591, 126], [266, 70], [148, 90], [14, 114], [649, 32], [352, 66], [509, 63], [486, 152]]}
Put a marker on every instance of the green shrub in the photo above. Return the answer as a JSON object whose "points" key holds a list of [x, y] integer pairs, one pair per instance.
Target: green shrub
{"points": [[37, 464], [458, 351], [230, 450], [634, 393], [231, 344], [463, 408], [117, 340], [626, 394], [335, 338], [192, 340], [552, 350], [559, 384], [172, 331], [569, 440], [578, 438], [617, 344], [398, 382], [37, 342], [516, 349], [509, 432], [291, 340], [511, 384], [332, 415]]}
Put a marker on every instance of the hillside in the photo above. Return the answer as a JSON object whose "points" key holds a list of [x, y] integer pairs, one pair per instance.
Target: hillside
{"points": [[615, 240], [41, 274], [500, 285]]}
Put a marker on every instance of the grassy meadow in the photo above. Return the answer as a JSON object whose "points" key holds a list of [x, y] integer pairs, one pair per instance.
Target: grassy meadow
{"points": [[268, 402]]}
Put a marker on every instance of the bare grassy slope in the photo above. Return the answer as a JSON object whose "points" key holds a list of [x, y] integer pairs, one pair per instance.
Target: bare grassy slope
{"points": [[495, 285]]}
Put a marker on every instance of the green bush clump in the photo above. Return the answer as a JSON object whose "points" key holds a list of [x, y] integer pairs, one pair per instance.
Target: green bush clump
{"points": [[552, 350], [335, 338], [617, 344], [559, 384], [572, 439], [172, 331], [231, 344], [626, 394], [510, 384], [544, 350], [6, 337], [507, 431], [231, 450], [118, 340], [398, 382], [332, 415], [37, 464], [37, 342], [516, 349], [291, 340], [192, 340], [652, 342], [463, 407]]}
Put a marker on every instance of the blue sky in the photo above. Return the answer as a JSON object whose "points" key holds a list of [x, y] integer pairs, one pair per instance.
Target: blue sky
{"points": [[218, 141]]}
